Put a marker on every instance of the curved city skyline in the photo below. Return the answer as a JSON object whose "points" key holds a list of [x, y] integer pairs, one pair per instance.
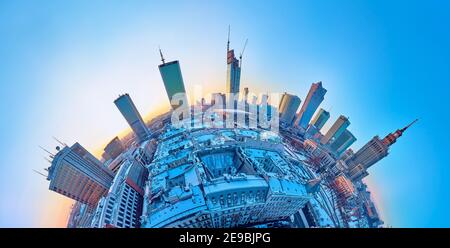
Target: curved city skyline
{"points": [[370, 60]]}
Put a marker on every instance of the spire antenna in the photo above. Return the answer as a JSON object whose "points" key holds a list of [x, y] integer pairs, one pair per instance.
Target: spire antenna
{"points": [[162, 57], [392, 137], [228, 42], [410, 124]]}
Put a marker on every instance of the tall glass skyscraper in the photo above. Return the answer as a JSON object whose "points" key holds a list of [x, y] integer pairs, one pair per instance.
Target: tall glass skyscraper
{"points": [[336, 130], [77, 174], [131, 114], [233, 73], [320, 118], [173, 81], [344, 141], [113, 149], [288, 107], [313, 99]]}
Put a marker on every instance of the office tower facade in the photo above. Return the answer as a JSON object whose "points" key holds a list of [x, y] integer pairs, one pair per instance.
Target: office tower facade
{"points": [[132, 116], [315, 96], [114, 148], [369, 154], [122, 207], [77, 174], [288, 107], [357, 173], [372, 152], [173, 82], [344, 141], [336, 130], [320, 118]]}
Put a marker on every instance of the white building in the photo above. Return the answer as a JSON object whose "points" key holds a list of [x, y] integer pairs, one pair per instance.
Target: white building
{"points": [[122, 206]]}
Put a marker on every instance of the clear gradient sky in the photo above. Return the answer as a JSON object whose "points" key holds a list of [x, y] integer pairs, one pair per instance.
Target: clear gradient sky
{"points": [[384, 63]]}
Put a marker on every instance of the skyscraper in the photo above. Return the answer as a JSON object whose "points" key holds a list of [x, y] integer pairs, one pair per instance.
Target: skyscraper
{"points": [[114, 148], [320, 118], [233, 70], [77, 174], [312, 101], [372, 152], [344, 141], [246, 91], [131, 114], [173, 81], [336, 130], [288, 107], [218, 97], [122, 206]]}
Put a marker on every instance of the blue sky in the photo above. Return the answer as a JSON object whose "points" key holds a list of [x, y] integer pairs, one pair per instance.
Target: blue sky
{"points": [[384, 63]]}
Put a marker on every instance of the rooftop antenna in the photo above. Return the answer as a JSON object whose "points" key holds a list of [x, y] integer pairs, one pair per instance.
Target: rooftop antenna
{"points": [[60, 142], [410, 124], [243, 50], [45, 150], [39, 173], [162, 57], [48, 160], [228, 42]]}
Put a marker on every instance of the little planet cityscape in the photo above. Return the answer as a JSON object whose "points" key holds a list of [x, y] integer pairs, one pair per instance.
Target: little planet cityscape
{"points": [[235, 161]]}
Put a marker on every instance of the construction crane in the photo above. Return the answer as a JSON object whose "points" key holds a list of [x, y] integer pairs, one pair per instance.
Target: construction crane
{"points": [[243, 50]]}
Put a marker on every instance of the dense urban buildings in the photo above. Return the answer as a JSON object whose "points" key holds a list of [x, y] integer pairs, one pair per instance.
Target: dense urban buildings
{"points": [[312, 101], [132, 116], [206, 174], [222, 178]]}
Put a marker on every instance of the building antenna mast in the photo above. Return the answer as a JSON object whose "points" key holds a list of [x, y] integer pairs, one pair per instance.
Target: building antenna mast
{"points": [[51, 154], [60, 142], [48, 160], [39, 173], [228, 42], [162, 57]]}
